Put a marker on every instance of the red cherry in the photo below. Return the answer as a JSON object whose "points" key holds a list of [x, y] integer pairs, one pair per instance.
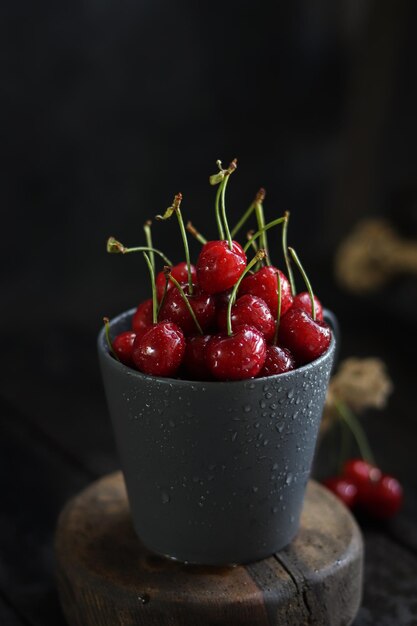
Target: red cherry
{"points": [[251, 311], [263, 284], [222, 299], [195, 358], [384, 498], [179, 272], [123, 346], [236, 247], [307, 339], [237, 356], [303, 301], [278, 360], [362, 474], [345, 490], [175, 310], [218, 267], [159, 352], [142, 318]]}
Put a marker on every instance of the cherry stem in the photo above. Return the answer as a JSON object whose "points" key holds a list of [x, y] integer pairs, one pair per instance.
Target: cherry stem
{"points": [[226, 225], [195, 233], [154, 298], [260, 218], [307, 282], [186, 250], [258, 257], [278, 308], [107, 333], [148, 234], [258, 233], [255, 246], [357, 431], [175, 207], [247, 214], [344, 444], [184, 297], [285, 250], [222, 178], [217, 209], [166, 269], [115, 247], [253, 243]]}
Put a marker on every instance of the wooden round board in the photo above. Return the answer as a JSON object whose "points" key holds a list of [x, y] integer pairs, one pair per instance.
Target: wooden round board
{"points": [[106, 577]]}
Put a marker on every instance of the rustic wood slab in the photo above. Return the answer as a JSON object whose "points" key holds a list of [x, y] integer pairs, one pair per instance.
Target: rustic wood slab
{"points": [[106, 577]]}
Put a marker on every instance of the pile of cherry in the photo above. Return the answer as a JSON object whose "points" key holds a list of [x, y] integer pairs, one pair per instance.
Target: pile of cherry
{"points": [[173, 345], [226, 318], [362, 485]]}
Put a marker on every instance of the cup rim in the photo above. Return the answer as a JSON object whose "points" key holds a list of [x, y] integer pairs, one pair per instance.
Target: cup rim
{"points": [[121, 368]]}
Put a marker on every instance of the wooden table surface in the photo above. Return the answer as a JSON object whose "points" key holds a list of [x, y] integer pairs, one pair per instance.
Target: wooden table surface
{"points": [[55, 438]]}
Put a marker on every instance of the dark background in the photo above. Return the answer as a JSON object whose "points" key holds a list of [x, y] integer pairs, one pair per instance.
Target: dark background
{"points": [[108, 109]]}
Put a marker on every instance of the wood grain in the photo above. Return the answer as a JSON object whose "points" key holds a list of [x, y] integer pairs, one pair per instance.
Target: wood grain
{"points": [[107, 577]]}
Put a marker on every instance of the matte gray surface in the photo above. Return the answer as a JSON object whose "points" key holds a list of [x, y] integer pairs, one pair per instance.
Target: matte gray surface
{"points": [[216, 471]]}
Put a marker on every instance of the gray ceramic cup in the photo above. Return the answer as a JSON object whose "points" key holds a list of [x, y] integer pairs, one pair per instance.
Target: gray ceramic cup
{"points": [[215, 471]]}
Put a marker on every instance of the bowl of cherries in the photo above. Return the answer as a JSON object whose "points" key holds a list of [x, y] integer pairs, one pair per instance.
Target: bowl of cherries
{"points": [[215, 387]]}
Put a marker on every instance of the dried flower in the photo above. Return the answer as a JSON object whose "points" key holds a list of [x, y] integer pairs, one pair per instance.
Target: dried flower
{"points": [[359, 383], [371, 255]]}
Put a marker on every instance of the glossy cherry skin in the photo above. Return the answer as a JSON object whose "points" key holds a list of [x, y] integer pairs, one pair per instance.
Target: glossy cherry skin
{"points": [[222, 299], [345, 490], [303, 301], [195, 358], [305, 338], [142, 318], [219, 268], [362, 474], [175, 310], [238, 356], [236, 247], [278, 360], [249, 310], [123, 346], [384, 498], [179, 272], [263, 284], [160, 351]]}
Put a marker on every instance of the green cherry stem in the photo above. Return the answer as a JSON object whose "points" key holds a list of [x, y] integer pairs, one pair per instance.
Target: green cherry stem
{"points": [[186, 301], [258, 257], [285, 251], [223, 204], [258, 233], [176, 208], [108, 339], [345, 439], [307, 282], [115, 247], [222, 178], [154, 298], [217, 209], [253, 243], [148, 234], [190, 228], [278, 308], [186, 250], [236, 228], [255, 247], [166, 269], [357, 431], [260, 218]]}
